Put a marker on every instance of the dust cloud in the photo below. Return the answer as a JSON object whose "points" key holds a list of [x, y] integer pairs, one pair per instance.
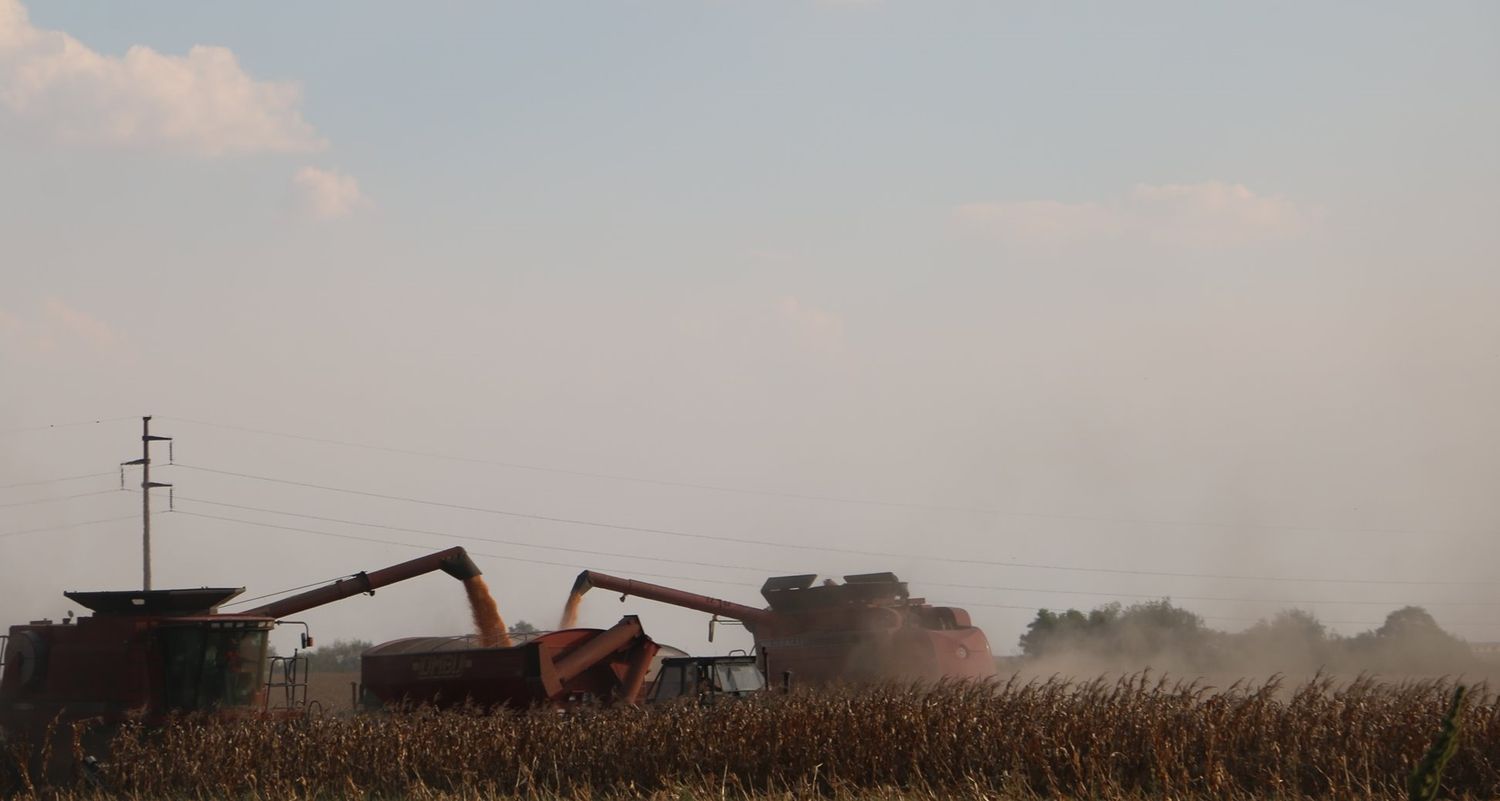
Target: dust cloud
{"points": [[1160, 637]]}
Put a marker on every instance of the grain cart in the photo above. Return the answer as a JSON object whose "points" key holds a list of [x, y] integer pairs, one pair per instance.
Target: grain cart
{"points": [[554, 668]]}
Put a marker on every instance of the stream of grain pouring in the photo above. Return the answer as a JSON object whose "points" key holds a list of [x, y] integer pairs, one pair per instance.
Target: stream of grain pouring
{"points": [[570, 611], [487, 622]]}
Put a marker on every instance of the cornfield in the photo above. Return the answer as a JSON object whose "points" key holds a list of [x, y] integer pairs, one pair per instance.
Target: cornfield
{"points": [[1133, 738]]}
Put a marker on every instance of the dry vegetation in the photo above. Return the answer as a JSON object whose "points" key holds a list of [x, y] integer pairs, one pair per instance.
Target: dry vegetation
{"points": [[1129, 739]]}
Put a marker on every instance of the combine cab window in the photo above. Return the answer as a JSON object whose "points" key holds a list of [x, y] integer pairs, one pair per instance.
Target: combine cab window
{"points": [[207, 668]]}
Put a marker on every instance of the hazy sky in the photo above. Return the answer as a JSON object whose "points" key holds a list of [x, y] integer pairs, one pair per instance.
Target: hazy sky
{"points": [[942, 287]]}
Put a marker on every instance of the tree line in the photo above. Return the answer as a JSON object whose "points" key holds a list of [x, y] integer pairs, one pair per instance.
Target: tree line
{"points": [[1162, 635]]}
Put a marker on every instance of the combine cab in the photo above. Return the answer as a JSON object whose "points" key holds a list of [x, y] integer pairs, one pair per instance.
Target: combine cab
{"points": [[151, 653]]}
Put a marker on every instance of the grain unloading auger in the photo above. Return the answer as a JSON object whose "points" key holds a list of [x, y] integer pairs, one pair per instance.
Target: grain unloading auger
{"points": [[454, 561], [867, 628], [150, 653]]}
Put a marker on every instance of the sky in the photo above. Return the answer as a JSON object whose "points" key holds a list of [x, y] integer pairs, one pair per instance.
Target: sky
{"points": [[1036, 305]]}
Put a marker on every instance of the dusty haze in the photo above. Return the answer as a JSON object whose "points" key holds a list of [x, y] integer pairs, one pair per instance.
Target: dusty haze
{"points": [[1176, 289]]}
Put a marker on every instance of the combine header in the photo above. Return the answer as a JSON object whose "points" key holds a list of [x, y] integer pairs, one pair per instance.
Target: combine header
{"points": [[868, 628]]}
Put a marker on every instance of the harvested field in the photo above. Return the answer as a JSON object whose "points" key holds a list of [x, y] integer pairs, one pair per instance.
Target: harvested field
{"points": [[1135, 738], [331, 689]]}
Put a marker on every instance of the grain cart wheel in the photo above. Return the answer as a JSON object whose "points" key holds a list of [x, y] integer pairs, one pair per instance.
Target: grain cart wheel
{"points": [[30, 654]]}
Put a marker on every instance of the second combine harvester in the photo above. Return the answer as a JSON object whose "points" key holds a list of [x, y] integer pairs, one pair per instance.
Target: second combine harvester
{"points": [[868, 628]]}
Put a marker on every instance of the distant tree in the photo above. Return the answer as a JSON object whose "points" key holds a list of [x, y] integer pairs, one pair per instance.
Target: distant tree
{"points": [[1146, 632], [1110, 632], [1162, 615], [1051, 631], [1161, 635], [1411, 640], [340, 656], [522, 627], [1298, 623], [1293, 641], [1408, 620]]}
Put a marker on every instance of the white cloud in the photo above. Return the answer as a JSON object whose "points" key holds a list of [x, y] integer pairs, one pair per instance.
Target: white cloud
{"points": [[202, 102], [1210, 214], [328, 195], [55, 328], [81, 326]]}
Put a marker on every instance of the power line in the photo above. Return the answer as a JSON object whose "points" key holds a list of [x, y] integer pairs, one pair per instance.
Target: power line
{"points": [[1225, 599], [1117, 519], [696, 579], [588, 473], [476, 538], [830, 549], [52, 426], [966, 604], [55, 480], [963, 604], [59, 498], [285, 591], [570, 566], [764, 569], [67, 526]]}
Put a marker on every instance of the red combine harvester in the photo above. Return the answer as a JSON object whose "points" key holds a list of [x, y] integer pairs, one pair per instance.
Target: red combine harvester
{"points": [[868, 628], [555, 667], [150, 653]]}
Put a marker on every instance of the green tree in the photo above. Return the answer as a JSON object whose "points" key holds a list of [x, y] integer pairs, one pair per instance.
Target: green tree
{"points": [[1112, 632], [1053, 631], [522, 627]]}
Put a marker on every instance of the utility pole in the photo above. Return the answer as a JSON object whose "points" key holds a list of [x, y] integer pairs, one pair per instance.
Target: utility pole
{"points": [[146, 485]]}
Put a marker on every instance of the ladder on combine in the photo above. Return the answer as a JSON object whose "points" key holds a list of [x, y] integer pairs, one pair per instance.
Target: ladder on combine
{"points": [[287, 682]]}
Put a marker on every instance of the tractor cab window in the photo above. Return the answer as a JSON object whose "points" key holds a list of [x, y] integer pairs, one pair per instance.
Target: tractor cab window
{"points": [[736, 678], [212, 667], [696, 679], [672, 682]]}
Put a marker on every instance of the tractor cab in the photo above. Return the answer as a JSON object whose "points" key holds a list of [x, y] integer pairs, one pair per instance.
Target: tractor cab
{"points": [[707, 677]]}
